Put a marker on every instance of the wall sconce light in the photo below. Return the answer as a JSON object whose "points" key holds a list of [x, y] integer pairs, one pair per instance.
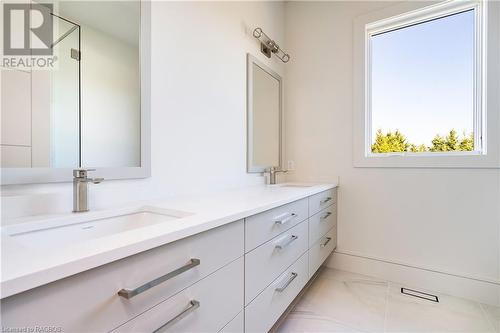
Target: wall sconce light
{"points": [[269, 46]]}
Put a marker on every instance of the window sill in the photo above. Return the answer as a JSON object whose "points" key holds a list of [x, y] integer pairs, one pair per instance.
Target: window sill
{"points": [[443, 160]]}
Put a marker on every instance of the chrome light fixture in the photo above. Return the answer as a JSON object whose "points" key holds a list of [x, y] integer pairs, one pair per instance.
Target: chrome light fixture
{"points": [[269, 46]]}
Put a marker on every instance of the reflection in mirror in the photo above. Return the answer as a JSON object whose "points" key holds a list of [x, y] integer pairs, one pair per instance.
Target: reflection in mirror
{"points": [[110, 81], [86, 110], [264, 117], [40, 109], [111, 113]]}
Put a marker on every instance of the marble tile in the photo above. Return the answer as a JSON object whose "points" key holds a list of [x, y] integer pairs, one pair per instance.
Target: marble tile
{"points": [[304, 322], [493, 314], [451, 314], [349, 299], [338, 275]]}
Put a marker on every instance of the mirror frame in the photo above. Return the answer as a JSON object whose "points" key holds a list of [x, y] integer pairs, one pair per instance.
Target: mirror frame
{"points": [[10, 176], [251, 168]]}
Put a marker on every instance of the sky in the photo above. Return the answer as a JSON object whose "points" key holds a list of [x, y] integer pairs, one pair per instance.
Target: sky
{"points": [[422, 78]]}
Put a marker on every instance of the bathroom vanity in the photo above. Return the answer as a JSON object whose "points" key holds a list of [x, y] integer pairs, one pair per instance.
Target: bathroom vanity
{"points": [[233, 262], [227, 262]]}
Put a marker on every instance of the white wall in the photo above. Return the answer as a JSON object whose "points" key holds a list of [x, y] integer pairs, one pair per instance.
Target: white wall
{"points": [[439, 220], [198, 106]]}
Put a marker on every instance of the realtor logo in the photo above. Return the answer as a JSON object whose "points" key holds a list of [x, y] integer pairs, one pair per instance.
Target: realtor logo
{"points": [[28, 29]]}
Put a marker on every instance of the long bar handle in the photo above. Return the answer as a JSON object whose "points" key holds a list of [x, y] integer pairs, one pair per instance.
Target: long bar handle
{"points": [[282, 246], [324, 201], [328, 239], [286, 219], [193, 305], [287, 283], [326, 215], [129, 293]]}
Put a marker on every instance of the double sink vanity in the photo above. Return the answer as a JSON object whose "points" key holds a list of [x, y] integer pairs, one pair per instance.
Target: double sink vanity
{"points": [[230, 262]]}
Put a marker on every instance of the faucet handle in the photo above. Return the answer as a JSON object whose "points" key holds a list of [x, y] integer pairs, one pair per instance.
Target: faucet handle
{"points": [[97, 180], [274, 169], [81, 173]]}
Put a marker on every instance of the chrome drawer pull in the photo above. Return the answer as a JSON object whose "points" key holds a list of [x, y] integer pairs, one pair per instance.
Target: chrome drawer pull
{"points": [[328, 239], [129, 293], [287, 283], [326, 215], [324, 201], [193, 305], [282, 246], [286, 219]]}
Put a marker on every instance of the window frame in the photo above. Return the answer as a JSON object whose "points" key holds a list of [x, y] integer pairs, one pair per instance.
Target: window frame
{"points": [[486, 148]]}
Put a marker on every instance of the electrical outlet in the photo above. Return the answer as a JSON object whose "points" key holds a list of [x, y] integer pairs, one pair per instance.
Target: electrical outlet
{"points": [[290, 166]]}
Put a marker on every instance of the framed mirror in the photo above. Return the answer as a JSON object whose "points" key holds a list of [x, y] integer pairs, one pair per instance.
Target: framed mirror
{"points": [[91, 108], [264, 117]]}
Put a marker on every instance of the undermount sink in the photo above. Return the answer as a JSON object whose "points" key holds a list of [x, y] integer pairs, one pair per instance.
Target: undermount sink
{"points": [[96, 228]]}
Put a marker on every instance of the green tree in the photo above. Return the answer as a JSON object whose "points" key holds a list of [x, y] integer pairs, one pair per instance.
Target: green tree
{"points": [[452, 140], [390, 142], [467, 143], [438, 144], [418, 149]]}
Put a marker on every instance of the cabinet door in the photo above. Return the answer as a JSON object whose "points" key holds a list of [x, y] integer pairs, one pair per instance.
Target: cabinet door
{"points": [[16, 108], [322, 200], [321, 223], [237, 325], [321, 250], [207, 306], [266, 309], [268, 261], [262, 227]]}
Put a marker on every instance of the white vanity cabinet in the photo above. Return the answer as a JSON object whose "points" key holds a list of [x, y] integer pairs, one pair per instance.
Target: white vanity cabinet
{"points": [[238, 277], [89, 301], [286, 269]]}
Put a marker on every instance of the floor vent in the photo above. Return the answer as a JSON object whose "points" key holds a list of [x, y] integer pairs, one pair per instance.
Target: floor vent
{"points": [[419, 294]]}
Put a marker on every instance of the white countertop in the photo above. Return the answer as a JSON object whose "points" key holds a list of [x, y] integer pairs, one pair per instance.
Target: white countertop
{"points": [[25, 267]]}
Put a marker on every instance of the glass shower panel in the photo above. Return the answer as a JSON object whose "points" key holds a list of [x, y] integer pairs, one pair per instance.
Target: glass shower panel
{"points": [[65, 96]]}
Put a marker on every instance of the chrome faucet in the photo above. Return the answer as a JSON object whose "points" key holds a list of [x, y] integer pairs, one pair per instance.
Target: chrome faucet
{"points": [[81, 188], [272, 171]]}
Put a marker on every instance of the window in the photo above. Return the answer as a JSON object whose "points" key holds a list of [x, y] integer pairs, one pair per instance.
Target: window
{"points": [[424, 83]]}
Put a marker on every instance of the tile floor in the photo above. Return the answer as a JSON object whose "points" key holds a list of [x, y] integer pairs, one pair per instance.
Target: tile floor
{"points": [[339, 301]]}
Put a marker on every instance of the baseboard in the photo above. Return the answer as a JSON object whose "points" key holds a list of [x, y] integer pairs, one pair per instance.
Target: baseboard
{"points": [[482, 291]]}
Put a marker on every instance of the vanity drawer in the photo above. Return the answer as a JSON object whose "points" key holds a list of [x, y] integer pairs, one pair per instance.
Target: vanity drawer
{"points": [[321, 223], [265, 310], [206, 306], [237, 325], [268, 261], [89, 301], [321, 250], [322, 200], [262, 227]]}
